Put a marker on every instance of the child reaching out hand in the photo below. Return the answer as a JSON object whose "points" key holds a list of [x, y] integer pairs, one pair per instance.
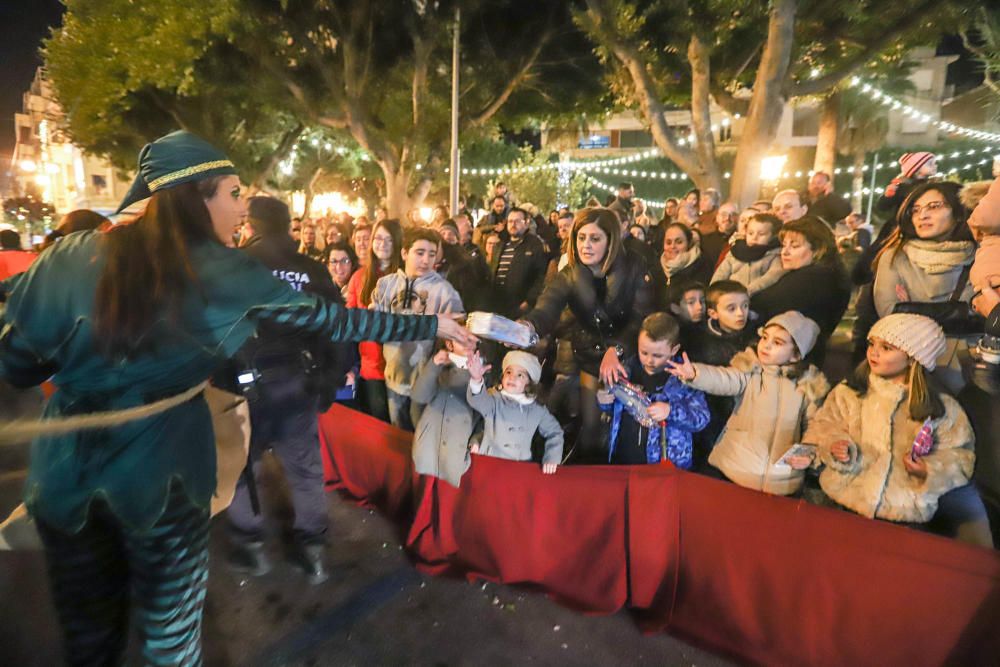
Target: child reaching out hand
{"points": [[511, 415], [776, 394]]}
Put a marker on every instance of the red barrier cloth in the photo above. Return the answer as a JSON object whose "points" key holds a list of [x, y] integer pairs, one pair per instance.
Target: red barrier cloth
{"points": [[769, 580]]}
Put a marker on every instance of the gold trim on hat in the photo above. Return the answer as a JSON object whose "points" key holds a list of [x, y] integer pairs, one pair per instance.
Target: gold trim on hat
{"points": [[156, 183]]}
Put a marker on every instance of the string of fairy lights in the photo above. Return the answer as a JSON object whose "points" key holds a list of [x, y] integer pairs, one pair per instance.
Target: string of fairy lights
{"points": [[617, 166]]}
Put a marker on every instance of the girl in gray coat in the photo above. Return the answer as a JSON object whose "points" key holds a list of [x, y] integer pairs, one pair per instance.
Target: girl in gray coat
{"points": [[510, 412], [441, 441]]}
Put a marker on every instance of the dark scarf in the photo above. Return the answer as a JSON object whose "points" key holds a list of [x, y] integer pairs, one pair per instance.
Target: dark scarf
{"points": [[751, 253]]}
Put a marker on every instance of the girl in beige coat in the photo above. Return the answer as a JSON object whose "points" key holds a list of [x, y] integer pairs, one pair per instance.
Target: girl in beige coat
{"points": [[776, 394], [867, 429]]}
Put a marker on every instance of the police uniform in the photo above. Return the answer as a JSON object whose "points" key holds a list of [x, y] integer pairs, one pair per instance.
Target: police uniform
{"points": [[289, 373]]}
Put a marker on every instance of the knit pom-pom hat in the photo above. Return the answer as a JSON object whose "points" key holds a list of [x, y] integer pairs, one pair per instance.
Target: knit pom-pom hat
{"points": [[910, 163], [919, 336]]}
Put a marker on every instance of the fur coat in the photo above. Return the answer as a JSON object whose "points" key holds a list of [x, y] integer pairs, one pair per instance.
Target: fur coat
{"points": [[874, 482], [772, 410]]}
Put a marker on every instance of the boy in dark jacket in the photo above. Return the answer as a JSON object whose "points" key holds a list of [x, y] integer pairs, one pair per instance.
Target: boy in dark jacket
{"points": [[724, 335], [675, 413]]}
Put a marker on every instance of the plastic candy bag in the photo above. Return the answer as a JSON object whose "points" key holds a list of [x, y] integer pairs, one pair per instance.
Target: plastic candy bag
{"points": [[496, 327]]}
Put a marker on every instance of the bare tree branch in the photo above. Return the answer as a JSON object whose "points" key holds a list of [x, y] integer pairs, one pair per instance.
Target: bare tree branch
{"points": [[483, 116], [983, 56], [911, 19]]}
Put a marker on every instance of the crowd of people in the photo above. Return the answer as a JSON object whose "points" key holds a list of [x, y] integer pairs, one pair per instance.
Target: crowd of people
{"points": [[700, 337]]}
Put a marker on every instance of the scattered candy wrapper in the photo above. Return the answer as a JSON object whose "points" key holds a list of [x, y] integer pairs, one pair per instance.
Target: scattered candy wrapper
{"points": [[496, 327], [924, 442], [798, 449], [635, 401]]}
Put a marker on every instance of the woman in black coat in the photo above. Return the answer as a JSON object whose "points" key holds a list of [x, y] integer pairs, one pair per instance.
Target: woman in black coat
{"points": [[679, 264], [609, 293], [816, 284]]}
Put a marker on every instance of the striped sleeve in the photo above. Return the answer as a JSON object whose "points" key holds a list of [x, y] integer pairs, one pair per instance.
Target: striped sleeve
{"points": [[342, 324]]}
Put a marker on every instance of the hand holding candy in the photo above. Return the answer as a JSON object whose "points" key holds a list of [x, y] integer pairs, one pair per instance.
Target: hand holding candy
{"points": [[659, 411]]}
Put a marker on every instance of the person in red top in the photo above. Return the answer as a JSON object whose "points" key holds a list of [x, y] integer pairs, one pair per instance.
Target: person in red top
{"points": [[384, 259], [13, 259]]}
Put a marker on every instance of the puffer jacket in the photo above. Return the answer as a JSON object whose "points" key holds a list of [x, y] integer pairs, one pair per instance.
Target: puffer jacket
{"points": [[772, 410], [874, 482], [688, 415], [754, 267], [604, 321]]}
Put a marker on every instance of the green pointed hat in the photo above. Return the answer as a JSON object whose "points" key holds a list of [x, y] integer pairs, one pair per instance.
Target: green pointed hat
{"points": [[179, 157]]}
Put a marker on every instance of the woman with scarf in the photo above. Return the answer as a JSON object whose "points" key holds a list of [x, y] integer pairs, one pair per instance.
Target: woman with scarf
{"points": [[681, 263], [927, 260], [139, 317]]}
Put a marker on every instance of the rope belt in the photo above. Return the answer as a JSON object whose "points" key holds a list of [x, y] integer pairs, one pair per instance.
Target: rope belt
{"points": [[22, 430]]}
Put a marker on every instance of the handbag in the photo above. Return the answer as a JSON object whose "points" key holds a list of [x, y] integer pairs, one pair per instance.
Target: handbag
{"points": [[955, 316]]}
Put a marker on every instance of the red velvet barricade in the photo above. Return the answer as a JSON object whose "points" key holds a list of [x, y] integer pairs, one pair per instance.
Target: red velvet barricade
{"points": [[769, 580]]}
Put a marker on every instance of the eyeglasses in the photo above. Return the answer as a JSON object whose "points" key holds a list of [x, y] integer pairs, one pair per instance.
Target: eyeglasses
{"points": [[343, 261], [932, 206]]}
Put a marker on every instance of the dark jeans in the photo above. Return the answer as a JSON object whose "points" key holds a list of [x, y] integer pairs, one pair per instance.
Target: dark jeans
{"points": [[284, 419], [98, 573]]}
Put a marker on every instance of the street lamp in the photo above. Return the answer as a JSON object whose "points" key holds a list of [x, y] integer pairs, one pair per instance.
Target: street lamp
{"points": [[771, 168]]}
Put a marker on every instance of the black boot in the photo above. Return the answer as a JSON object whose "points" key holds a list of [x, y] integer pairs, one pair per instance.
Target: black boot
{"points": [[249, 558], [310, 557]]}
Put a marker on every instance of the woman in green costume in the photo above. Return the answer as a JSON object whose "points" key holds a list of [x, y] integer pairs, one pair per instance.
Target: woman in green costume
{"points": [[124, 319]]}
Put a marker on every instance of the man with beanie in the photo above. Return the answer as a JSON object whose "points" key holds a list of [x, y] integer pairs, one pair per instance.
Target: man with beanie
{"points": [[284, 401]]}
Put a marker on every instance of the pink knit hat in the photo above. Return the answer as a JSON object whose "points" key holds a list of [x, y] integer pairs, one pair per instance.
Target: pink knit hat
{"points": [[987, 262], [912, 162]]}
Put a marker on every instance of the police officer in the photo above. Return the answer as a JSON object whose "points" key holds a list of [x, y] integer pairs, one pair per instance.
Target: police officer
{"points": [[282, 377]]}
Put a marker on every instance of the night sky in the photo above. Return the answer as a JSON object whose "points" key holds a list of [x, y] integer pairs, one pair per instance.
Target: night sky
{"points": [[24, 23]]}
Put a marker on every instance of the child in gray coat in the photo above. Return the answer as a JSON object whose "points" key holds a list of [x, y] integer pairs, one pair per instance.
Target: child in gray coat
{"points": [[441, 441], [511, 413]]}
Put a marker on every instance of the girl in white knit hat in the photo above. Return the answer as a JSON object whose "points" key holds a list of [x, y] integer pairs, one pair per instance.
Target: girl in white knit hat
{"points": [[891, 444], [510, 413]]}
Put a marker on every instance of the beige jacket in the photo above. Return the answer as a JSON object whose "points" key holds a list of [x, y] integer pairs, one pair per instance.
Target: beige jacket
{"points": [[755, 276], [874, 482], [771, 412]]}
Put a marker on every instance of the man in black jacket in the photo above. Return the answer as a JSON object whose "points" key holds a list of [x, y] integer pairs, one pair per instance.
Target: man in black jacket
{"points": [[284, 400], [518, 268], [824, 202]]}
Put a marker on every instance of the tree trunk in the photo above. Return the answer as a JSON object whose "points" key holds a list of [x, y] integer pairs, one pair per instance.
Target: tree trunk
{"points": [[397, 192], [311, 192], [826, 140], [766, 104], [858, 183]]}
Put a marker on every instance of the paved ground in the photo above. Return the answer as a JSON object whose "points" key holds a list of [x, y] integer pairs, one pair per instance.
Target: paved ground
{"points": [[375, 610]]}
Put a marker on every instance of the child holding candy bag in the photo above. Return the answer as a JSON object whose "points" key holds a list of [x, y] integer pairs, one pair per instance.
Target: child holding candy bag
{"points": [[674, 413], [510, 412], [871, 432]]}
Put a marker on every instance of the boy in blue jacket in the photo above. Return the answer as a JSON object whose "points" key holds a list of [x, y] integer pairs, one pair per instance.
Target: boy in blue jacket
{"points": [[676, 410]]}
